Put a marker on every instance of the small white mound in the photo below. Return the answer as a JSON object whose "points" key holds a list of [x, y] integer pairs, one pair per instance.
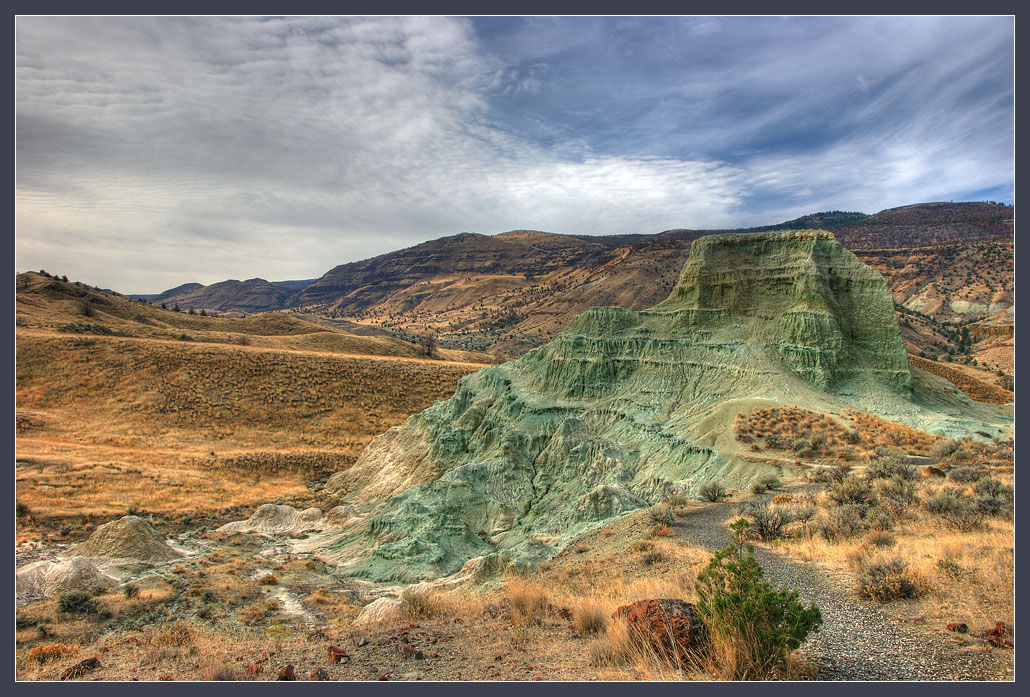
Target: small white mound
{"points": [[128, 538], [77, 573], [272, 519], [30, 582], [341, 517], [382, 611]]}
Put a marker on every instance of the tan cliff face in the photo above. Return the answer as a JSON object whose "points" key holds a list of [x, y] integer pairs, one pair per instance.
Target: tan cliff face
{"points": [[618, 409]]}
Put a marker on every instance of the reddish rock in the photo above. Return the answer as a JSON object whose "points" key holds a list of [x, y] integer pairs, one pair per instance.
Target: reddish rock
{"points": [[999, 636], [166, 677], [254, 669], [409, 651], [384, 677], [957, 627], [338, 655], [320, 674], [929, 471], [81, 668], [666, 624], [287, 673]]}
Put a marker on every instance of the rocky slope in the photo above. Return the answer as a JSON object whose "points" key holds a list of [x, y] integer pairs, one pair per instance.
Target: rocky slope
{"points": [[624, 405]]}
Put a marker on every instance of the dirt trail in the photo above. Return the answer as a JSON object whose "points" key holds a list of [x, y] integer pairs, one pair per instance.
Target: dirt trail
{"points": [[858, 641]]}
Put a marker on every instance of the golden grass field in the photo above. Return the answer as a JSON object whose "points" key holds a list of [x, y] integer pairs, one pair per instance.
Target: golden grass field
{"points": [[243, 413]]}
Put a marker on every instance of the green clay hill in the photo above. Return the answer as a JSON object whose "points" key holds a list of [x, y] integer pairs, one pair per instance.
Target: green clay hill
{"points": [[622, 407]]}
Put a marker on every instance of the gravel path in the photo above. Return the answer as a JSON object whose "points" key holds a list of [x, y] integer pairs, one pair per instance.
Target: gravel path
{"points": [[858, 641]]}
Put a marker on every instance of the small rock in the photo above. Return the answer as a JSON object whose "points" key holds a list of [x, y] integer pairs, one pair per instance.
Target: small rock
{"points": [[999, 636], [409, 651], [957, 627], [81, 668], [667, 624], [384, 677], [254, 669], [338, 655], [320, 674], [287, 673], [364, 641]]}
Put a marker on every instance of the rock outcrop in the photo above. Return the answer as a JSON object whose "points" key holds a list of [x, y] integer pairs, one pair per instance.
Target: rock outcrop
{"points": [[623, 406]]}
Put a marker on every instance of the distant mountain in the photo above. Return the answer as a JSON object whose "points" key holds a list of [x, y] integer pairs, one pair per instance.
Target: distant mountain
{"points": [[509, 292]]}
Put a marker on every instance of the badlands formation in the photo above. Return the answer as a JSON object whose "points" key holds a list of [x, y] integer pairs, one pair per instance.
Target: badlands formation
{"points": [[624, 406]]}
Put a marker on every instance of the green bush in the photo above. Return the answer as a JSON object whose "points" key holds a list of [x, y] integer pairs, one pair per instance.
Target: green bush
{"points": [[758, 624], [77, 602]]}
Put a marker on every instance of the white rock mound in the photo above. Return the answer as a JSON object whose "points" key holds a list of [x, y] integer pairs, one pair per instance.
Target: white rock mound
{"points": [[129, 539], [382, 611], [273, 519], [45, 579]]}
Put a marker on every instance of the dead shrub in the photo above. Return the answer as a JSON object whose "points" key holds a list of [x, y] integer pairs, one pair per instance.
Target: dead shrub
{"points": [[45, 653], [889, 579], [528, 601], [588, 617], [880, 538], [173, 634], [268, 580], [641, 546], [216, 671]]}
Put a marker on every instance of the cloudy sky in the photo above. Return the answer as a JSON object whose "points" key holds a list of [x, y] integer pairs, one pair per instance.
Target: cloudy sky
{"points": [[157, 151]]}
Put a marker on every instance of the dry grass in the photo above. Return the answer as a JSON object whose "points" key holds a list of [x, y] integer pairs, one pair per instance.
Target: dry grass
{"points": [[967, 576], [109, 423]]}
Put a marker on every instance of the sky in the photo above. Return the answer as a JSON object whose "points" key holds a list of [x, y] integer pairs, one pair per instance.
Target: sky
{"points": [[154, 151]]}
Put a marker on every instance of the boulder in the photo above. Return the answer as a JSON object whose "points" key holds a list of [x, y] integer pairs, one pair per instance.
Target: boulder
{"points": [[81, 668], [669, 626], [287, 673], [929, 471]]}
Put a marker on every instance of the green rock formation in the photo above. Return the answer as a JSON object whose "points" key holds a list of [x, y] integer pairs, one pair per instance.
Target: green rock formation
{"points": [[623, 405]]}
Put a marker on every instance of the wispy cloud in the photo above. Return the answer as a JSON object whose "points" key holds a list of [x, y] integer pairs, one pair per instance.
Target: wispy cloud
{"points": [[153, 151]]}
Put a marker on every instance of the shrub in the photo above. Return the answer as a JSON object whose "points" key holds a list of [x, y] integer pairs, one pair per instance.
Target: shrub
{"points": [[641, 545], [21, 510], [966, 475], [676, 498], [268, 580], [78, 602], [758, 488], [896, 495], [588, 617], [44, 653], [889, 468], [888, 579], [944, 448], [712, 491], [653, 558], [838, 472], [989, 486], [752, 626], [767, 521], [528, 602], [878, 519], [772, 482], [961, 512], [663, 514], [840, 523], [850, 490], [803, 514], [131, 590], [994, 506], [880, 538], [419, 605]]}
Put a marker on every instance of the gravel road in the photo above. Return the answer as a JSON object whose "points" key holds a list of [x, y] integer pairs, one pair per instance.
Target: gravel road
{"points": [[858, 641]]}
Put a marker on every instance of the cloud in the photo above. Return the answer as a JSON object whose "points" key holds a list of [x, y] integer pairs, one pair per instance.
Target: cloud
{"points": [[154, 151]]}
